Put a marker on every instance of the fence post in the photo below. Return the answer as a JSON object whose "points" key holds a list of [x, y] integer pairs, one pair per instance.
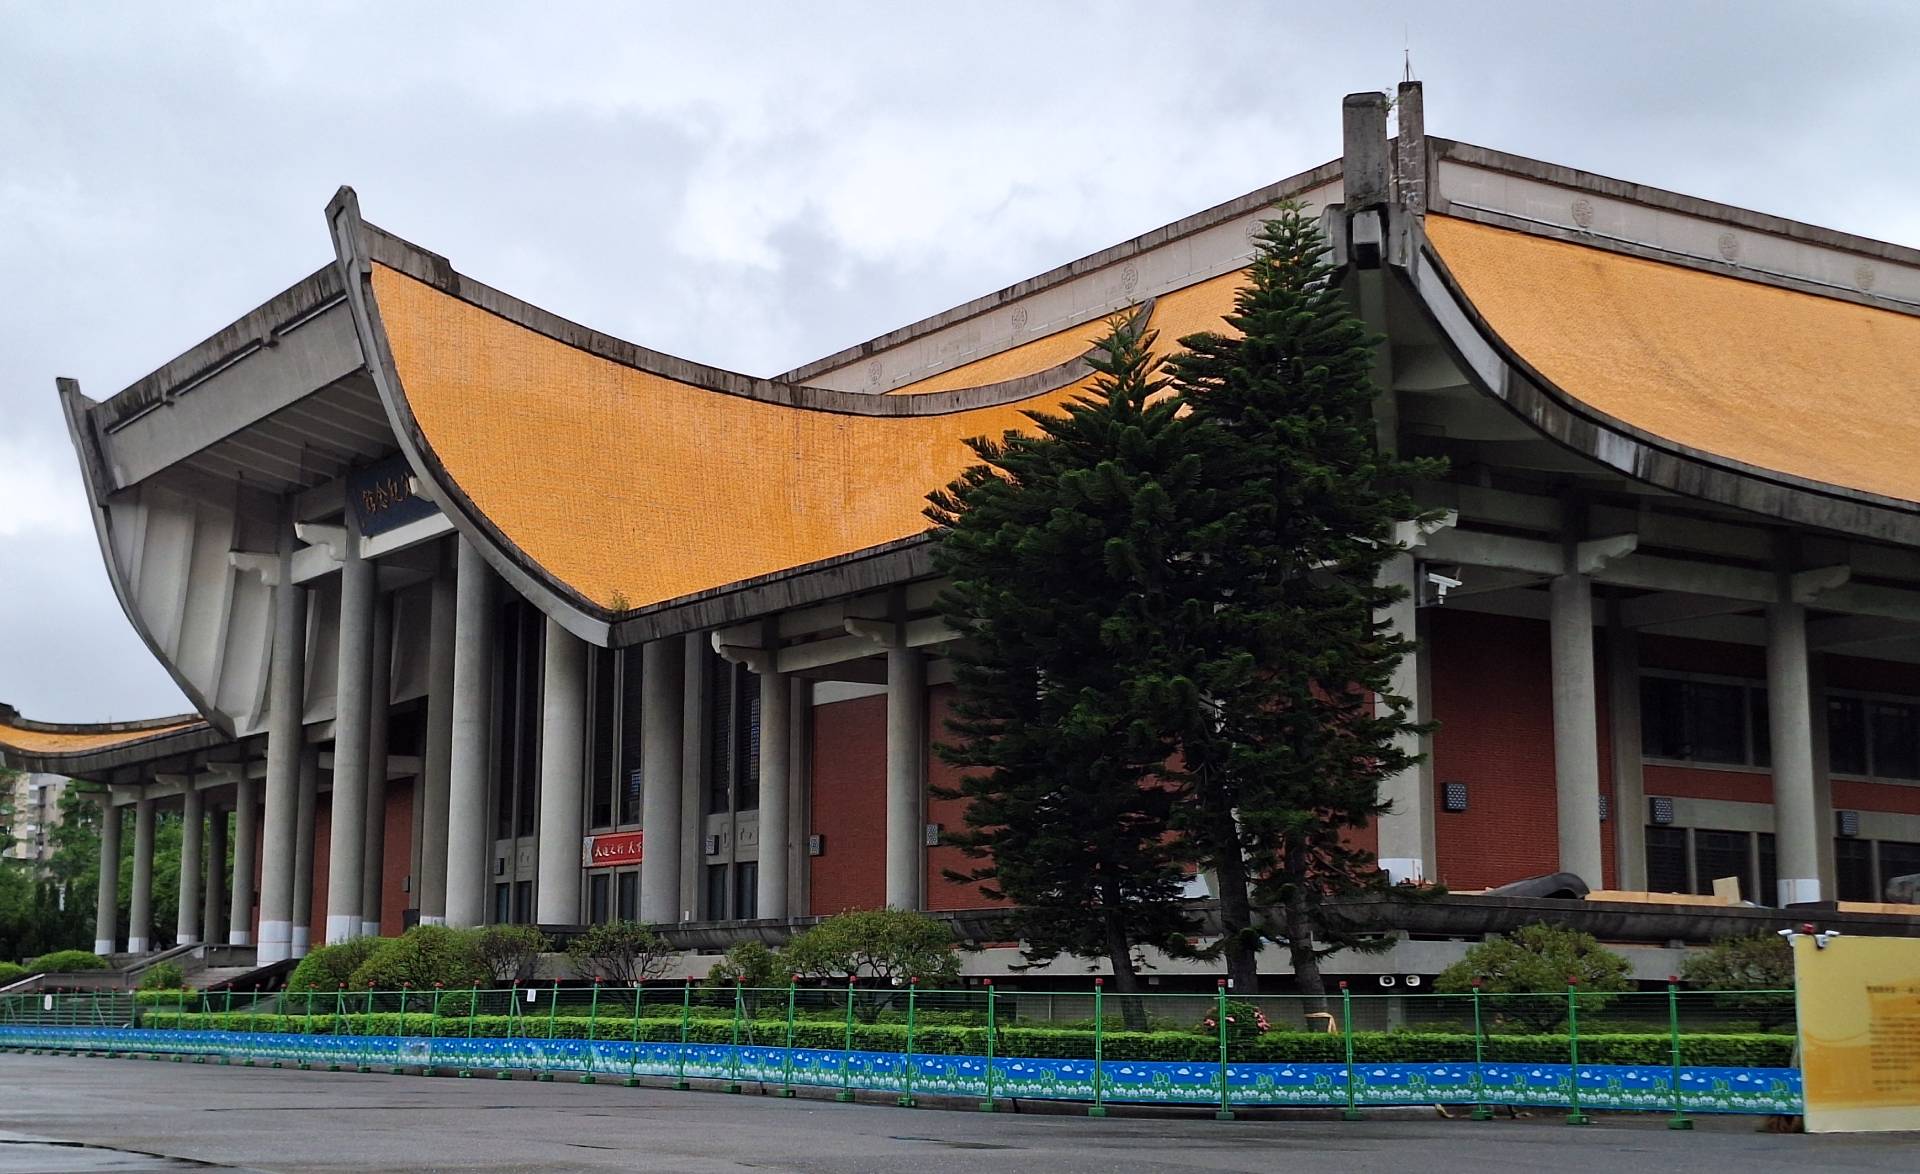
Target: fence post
{"points": [[433, 1031], [1679, 1119], [400, 1047], [513, 1027], [1099, 1108], [786, 1089], [1225, 1111], [366, 1036], [686, 1010], [226, 1020], [987, 1105], [733, 1056], [1574, 1115], [905, 1099], [593, 1017], [633, 1054], [473, 1017], [546, 1053], [846, 1051], [1350, 1113], [1480, 1110]]}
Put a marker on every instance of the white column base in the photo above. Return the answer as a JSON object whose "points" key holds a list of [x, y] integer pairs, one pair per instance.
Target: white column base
{"points": [[276, 941], [1403, 869], [103, 946], [369, 929], [1799, 890], [240, 937], [342, 927], [302, 941], [432, 919], [187, 939], [136, 945]]}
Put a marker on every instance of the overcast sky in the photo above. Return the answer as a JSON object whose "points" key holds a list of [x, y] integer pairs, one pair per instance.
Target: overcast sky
{"points": [[757, 185]]}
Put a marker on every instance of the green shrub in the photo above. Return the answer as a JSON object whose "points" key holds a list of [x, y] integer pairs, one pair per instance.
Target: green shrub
{"points": [[163, 976], [419, 958], [1747, 967], [66, 961], [621, 952], [510, 953], [1538, 959], [326, 968], [11, 972]]}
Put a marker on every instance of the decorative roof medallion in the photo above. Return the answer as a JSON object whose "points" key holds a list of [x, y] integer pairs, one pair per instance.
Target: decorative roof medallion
{"points": [[1019, 317], [1583, 212], [1129, 277], [1729, 247]]}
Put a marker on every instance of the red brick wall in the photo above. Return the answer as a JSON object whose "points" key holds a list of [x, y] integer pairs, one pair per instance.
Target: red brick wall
{"points": [[398, 859], [849, 806], [322, 841], [1856, 796], [951, 815]]}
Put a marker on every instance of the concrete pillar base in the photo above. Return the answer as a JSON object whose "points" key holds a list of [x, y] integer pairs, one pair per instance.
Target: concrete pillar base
{"points": [[342, 927], [276, 941], [103, 946], [187, 939], [1799, 890], [302, 941], [431, 919], [139, 945], [369, 929], [240, 938]]}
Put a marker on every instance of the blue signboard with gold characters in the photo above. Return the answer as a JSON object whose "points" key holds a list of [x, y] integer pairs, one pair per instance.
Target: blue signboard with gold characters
{"points": [[382, 497]]}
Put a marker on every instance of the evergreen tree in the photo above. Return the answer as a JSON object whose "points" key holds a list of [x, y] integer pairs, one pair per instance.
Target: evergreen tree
{"points": [[1281, 704], [1063, 547]]}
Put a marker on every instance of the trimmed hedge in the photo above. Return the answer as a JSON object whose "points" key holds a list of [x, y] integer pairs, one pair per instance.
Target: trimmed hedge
{"points": [[66, 962], [1749, 1050], [11, 972]]}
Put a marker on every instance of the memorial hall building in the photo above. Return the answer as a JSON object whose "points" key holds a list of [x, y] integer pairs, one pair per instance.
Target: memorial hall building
{"points": [[487, 616]]}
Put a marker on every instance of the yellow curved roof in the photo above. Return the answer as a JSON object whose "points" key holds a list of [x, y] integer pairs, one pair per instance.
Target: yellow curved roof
{"points": [[49, 742], [1813, 387], [633, 489]]}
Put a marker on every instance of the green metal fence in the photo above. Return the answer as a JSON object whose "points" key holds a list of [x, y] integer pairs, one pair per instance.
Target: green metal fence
{"points": [[1667, 1050]]}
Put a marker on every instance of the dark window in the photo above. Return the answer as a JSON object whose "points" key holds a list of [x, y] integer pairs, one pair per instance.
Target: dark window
{"points": [[1847, 735], [748, 754], [1897, 860], [716, 909], [629, 896], [1701, 721], [1761, 727], [1896, 740], [1853, 869], [746, 890], [533, 631], [1722, 854], [1667, 859], [516, 759], [720, 756], [597, 898], [506, 725], [502, 904], [630, 747], [1769, 871], [523, 899], [606, 707]]}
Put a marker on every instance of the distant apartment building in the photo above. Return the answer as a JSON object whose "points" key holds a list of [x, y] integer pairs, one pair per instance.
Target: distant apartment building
{"points": [[34, 811]]}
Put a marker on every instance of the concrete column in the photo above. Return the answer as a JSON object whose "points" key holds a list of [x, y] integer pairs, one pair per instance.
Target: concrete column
{"points": [[563, 776], [140, 911], [246, 833], [662, 679], [1405, 846], [374, 842], [1629, 810], [353, 702], [432, 814], [106, 907], [776, 793], [466, 861], [906, 776], [1797, 820], [698, 661], [286, 732], [216, 887], [1576, 741], [303, 850], [1822, 770], [186, 924]]}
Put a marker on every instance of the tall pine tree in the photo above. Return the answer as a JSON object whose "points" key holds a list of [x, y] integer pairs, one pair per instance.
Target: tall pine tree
{"points": [[1063, 548], [1281, 705]]}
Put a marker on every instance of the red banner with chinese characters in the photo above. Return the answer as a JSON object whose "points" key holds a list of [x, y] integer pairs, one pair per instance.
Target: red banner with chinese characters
{"points": [[614, 848]]}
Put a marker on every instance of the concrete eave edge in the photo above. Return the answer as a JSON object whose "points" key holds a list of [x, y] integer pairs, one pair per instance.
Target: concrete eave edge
{"points": [[1498, 370]]}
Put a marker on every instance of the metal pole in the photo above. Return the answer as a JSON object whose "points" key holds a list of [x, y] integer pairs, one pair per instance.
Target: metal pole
{"points": [[546, 1053], [1346, 1030], [513, 1015], [1679, 1119], [1099, 1109], [846, 1051], [1574, 1115], [473, 1017], [1480, 1110], [686, 1010], [433, 1032], [633, 1055], [593, 1017], [226, 1019], [987, 1105], [1225, 1111], [905, 1099], [786, 1089], [733, 1058], [400, 1047], [366, 1036]]}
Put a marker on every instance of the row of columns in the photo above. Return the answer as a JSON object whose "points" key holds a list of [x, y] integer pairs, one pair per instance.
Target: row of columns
{"points": [[455, 845], [203, 850]]}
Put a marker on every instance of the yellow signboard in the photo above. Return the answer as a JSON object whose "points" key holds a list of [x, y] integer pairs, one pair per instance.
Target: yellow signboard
{"points": [[1859, 1005]]}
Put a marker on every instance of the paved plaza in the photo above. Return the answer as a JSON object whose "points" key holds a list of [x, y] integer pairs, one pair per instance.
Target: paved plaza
{"points": [[72, 1114]]}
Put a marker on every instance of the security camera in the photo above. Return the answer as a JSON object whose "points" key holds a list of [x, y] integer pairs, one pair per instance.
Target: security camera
{"points": [[1388, 980], [1787, 934], [1820, 940], [1441, 584]]}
